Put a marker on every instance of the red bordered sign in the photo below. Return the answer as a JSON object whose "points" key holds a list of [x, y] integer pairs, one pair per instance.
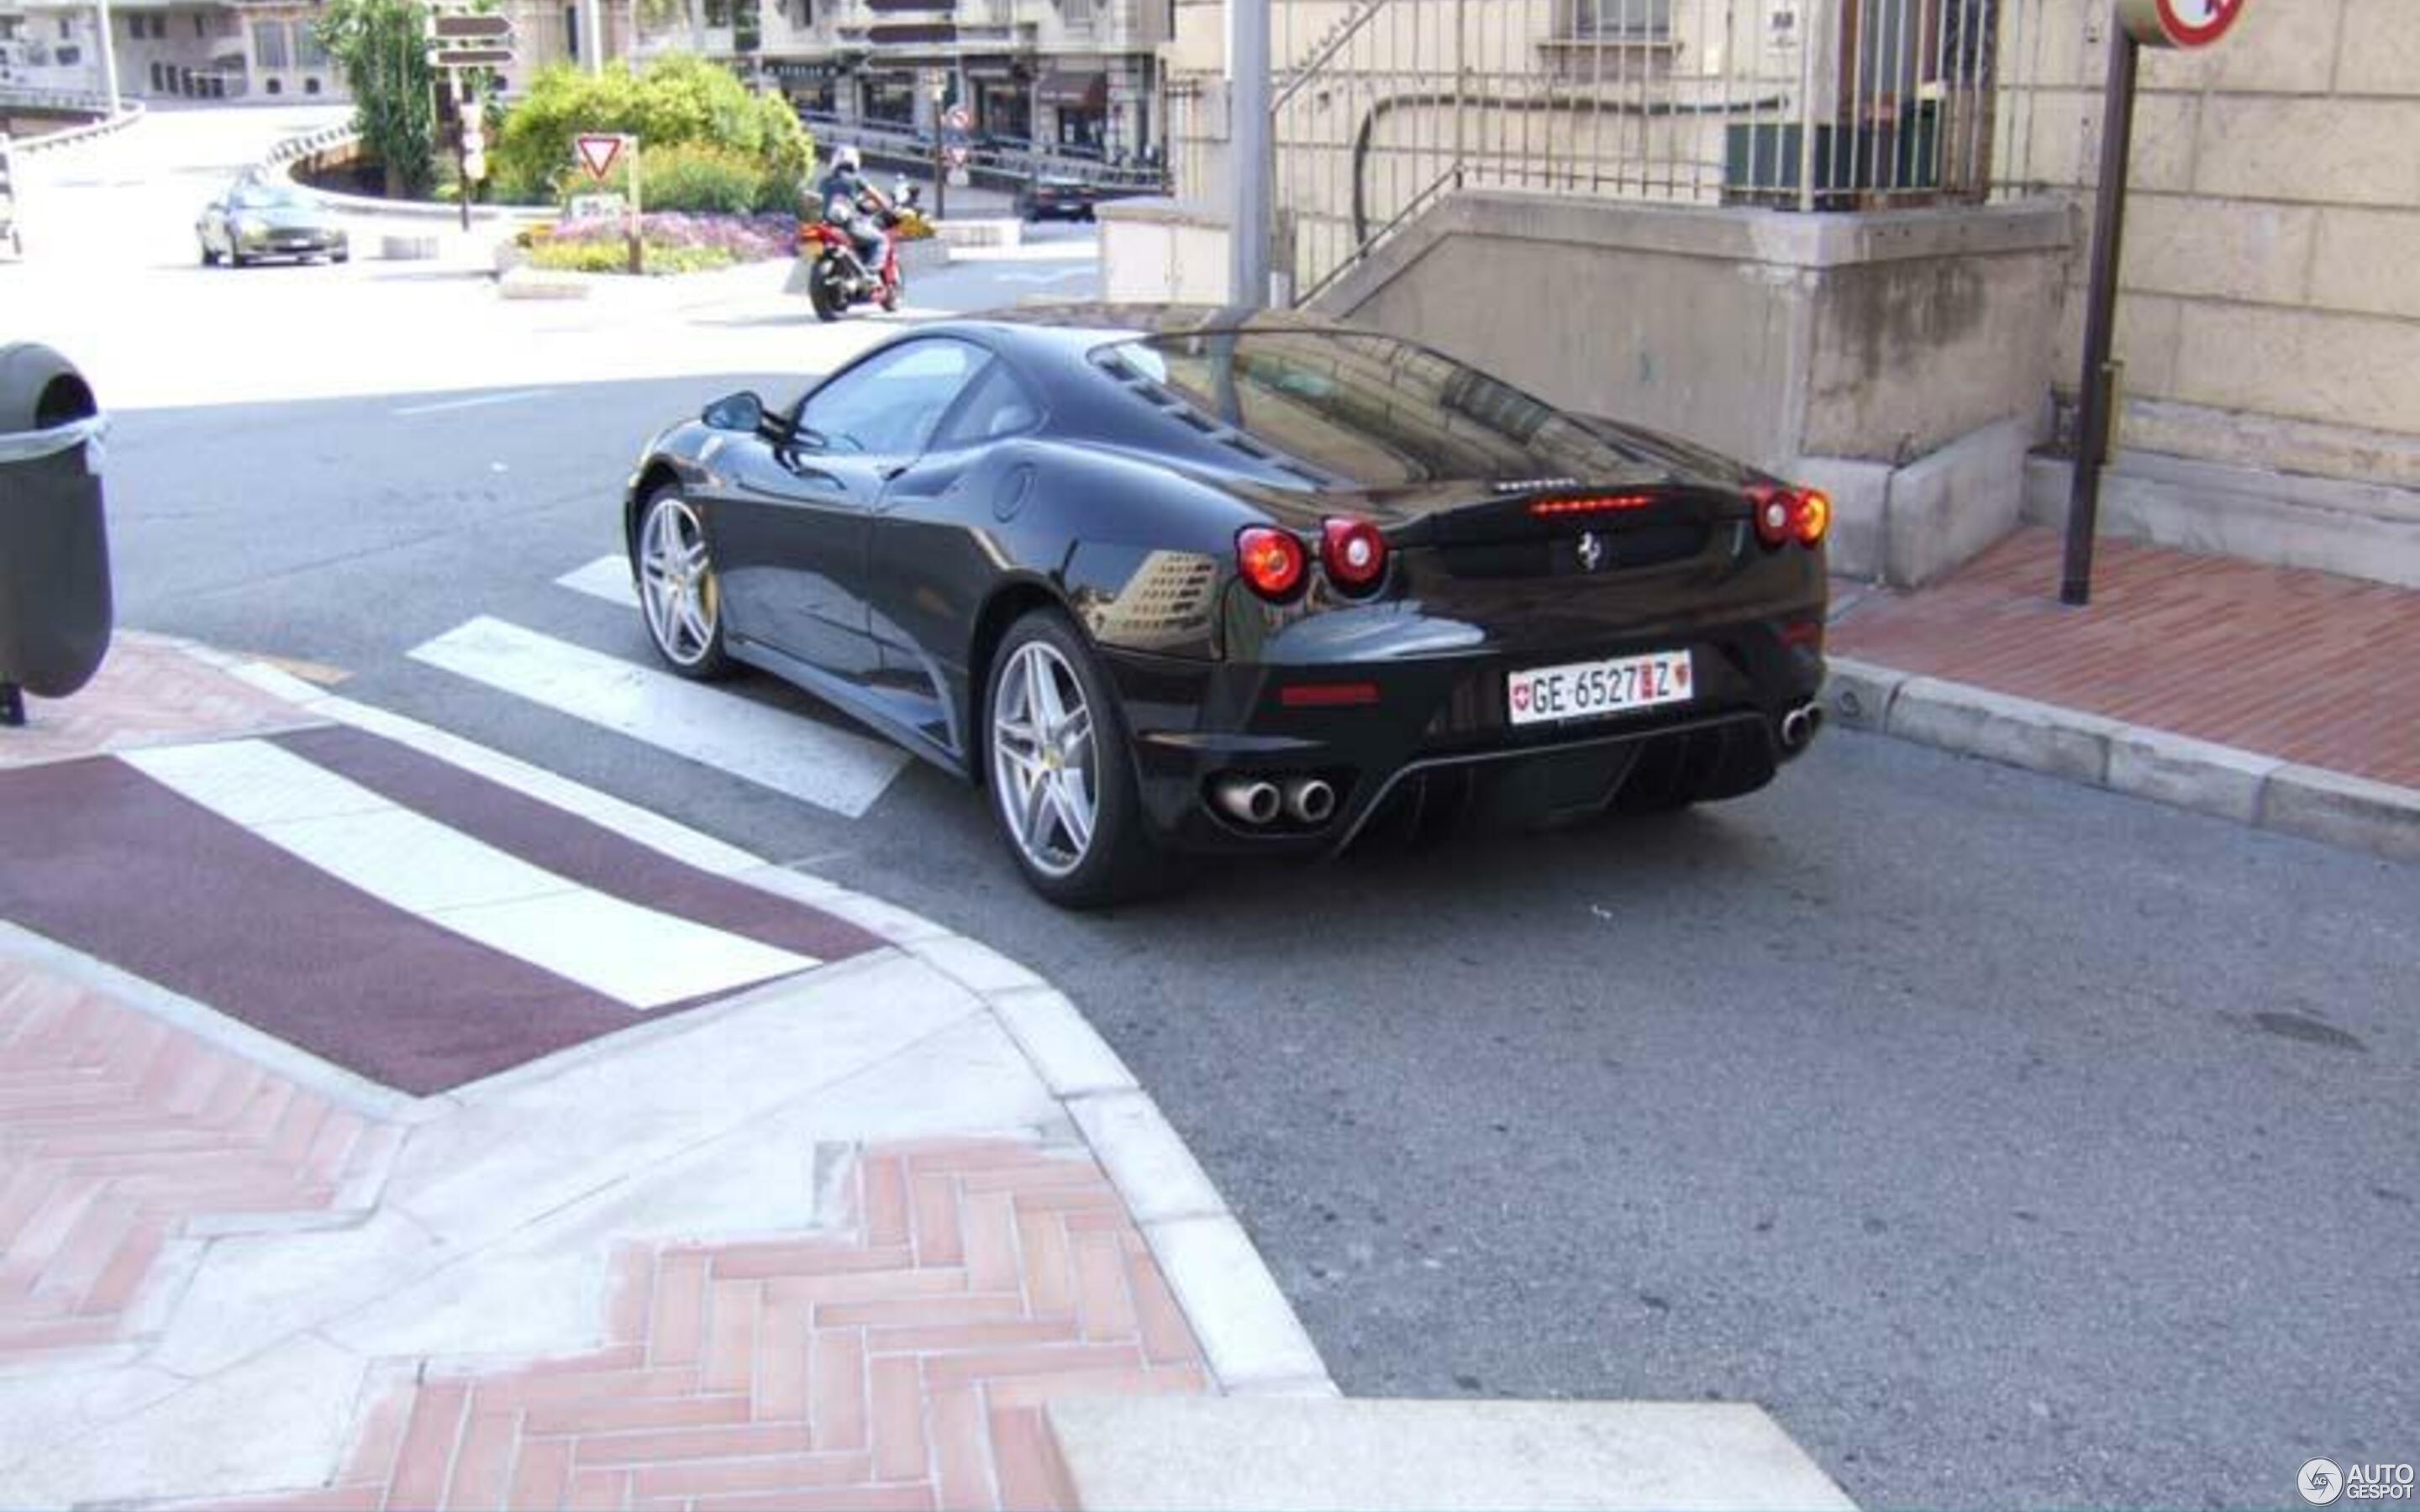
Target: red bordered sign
{"points": [[2179, 22]]}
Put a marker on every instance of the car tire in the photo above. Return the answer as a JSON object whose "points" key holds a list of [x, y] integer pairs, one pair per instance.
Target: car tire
{"points": [[680, 598], [1116, 861], [234, 255], [344, 257], [210, 258]]}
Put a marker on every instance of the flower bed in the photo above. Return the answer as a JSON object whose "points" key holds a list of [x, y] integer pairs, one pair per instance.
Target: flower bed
{"points": [[675, 243]]}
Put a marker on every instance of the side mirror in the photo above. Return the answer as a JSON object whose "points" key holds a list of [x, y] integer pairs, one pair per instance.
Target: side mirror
{"points": [[743, 411]]}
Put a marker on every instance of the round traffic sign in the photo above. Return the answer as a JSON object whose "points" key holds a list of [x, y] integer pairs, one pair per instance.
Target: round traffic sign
{"points": [[957, 118], [2179, 22]]}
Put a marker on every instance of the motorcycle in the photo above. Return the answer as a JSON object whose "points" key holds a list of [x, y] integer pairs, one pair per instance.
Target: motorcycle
{"points": [[835, 272]]}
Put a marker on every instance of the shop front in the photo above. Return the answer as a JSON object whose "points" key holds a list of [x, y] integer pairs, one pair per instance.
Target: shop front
{"points": [[1076, 103]]}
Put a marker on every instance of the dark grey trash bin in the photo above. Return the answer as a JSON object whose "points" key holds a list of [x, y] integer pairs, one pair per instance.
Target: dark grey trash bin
{"points": [[54, 601]]}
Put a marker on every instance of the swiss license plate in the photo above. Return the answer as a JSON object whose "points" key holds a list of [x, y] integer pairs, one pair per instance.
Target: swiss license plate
{"points": [[1590, 689]]}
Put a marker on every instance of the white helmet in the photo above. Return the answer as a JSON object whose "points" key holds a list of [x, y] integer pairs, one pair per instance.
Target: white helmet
{"points": [[848, 158]]}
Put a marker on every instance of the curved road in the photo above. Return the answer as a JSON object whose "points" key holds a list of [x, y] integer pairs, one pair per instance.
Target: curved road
{"points": [[2017, 1144]]}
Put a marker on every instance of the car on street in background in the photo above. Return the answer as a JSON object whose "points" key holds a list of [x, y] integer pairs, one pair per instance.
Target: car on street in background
{"points": [[1057, 198], [1173, 579], [259, 218]]}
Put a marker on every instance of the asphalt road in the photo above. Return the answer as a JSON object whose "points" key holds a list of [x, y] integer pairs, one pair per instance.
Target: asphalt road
{"points": [[2016, 1143]]}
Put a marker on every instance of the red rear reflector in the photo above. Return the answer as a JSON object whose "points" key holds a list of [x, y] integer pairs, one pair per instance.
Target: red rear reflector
{"points": [[1593, 505], [1802, 633], [1272, 560], [1326, 695]]}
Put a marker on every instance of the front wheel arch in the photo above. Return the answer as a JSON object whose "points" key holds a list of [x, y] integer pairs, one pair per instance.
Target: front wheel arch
{"points": [[1009, 602]]}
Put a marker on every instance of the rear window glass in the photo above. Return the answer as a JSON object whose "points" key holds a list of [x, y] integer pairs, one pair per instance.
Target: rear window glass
{"points": [[1360, 406]]}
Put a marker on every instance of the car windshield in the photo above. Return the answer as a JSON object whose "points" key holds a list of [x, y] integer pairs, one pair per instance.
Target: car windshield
{"points": [[1371, 410], [272, 197]]}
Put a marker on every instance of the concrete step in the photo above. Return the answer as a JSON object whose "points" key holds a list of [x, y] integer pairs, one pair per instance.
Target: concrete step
{"points": [[1281, 1453]]}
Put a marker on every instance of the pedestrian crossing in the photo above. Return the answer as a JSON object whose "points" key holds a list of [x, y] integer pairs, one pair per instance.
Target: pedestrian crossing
{"points": [[639, 957], [798, 756]]}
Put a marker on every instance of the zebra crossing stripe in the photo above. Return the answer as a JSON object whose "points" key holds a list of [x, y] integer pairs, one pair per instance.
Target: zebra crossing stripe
{"points": [[791, 754], [607, 577]]}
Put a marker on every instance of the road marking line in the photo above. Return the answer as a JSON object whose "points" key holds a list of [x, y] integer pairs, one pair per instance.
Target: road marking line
{"points": [[607, 577], [634, 955], [791, 755], [475, 402]]}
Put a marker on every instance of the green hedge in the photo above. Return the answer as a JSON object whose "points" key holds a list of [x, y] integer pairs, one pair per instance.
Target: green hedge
{"points": [[679, 103], [614, 257]]}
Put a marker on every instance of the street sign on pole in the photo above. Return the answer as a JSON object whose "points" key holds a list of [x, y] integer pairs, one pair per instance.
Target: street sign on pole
{"points": [[2179, 23], [473, 56], [597, 153], [957, 154], [2143, 24], [456, 27], [957, 118]]}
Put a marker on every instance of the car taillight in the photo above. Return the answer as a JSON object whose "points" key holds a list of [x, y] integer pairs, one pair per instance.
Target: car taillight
{"points": [[1272, 560], [1786, 514], [1354, 553]]}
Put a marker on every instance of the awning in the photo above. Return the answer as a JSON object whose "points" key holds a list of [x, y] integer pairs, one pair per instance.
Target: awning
{"points": [[1073, 91]]}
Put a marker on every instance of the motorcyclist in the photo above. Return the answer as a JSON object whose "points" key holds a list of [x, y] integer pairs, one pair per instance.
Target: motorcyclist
{"points": [[852, 202]]}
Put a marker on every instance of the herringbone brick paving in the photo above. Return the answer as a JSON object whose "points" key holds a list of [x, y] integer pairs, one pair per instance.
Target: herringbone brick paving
{"points": [[2286, 662], [116, 1128], [147, 692], [906, 1368]]}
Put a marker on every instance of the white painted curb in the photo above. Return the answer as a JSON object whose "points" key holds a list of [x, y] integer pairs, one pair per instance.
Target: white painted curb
{"points": [[2264, 792], [1248, 1333]]}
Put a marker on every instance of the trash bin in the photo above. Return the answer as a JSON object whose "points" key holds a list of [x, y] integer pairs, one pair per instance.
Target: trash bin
{"points": [[55, 600]]}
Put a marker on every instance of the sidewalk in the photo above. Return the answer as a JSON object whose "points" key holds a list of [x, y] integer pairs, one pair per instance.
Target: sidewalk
{"points": [[2275, 696], [315, 1187]]}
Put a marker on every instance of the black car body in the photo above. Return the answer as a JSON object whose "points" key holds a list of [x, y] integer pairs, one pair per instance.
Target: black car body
{"points": [[1056, 198], [1137, 473]]}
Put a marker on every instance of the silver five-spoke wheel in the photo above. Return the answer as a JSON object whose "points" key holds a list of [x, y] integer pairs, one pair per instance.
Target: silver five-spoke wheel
{"points": [[676, 586], [1044, 760]]}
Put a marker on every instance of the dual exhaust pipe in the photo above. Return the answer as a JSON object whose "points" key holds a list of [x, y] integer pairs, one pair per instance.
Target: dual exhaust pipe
{"points": [[1258, 800], [1798, 727]]}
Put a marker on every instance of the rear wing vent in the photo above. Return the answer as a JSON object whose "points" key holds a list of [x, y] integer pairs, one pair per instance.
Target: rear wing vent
{"points": [[1188, 414]]}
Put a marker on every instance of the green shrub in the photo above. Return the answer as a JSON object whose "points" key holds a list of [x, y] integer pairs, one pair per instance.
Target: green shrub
{"points": [[679, 101], [691, 176]]}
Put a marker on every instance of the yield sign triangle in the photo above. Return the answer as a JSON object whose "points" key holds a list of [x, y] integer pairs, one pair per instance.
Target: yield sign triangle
{"points": [[597, 153]]}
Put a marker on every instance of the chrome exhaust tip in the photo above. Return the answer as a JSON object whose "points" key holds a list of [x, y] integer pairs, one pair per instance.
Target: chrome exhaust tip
{"points": [[1798, 727], [1311, 800], [1250, 799]]}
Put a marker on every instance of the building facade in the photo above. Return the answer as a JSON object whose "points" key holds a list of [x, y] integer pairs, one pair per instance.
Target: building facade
{"points": [[1079, 74], [243, 49]]}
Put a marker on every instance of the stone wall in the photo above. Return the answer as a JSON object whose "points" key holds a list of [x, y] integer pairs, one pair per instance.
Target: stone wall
{"points": [[2270, 315]]}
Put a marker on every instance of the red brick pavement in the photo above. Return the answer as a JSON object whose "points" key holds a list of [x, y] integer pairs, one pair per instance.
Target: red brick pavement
{"points": [[906, 1368], [2304, 665], [148, 692], [115, 1129]]}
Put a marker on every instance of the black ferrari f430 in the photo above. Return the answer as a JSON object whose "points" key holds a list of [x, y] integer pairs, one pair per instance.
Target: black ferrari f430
{"points": [[1171, 580]]}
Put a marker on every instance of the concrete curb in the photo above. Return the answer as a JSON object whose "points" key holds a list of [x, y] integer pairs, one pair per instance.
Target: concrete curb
{"points": [[1249, 1335], [2264, 792]]}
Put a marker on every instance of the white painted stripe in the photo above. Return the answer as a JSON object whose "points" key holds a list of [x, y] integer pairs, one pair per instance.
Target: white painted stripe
{"points": [[800, 757], [607, 577], [632, 954], [474, 402]]}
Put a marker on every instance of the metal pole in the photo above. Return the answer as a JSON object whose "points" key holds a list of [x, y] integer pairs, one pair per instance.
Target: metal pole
{"points": [[1247, 223], [459, 92], [2099, 396], [638, 235], [108, 62], [593, 22], [940, 156]]}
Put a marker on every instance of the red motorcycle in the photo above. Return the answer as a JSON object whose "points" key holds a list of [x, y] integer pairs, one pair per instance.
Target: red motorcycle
{"points": [[837, 277]]}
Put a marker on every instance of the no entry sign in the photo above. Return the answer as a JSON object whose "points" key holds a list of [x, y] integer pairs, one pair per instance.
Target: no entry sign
{"points": [[2179, 23]]}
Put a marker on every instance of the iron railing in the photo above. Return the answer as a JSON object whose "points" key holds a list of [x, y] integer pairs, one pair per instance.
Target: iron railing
{"points": [[1383, 106]]}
